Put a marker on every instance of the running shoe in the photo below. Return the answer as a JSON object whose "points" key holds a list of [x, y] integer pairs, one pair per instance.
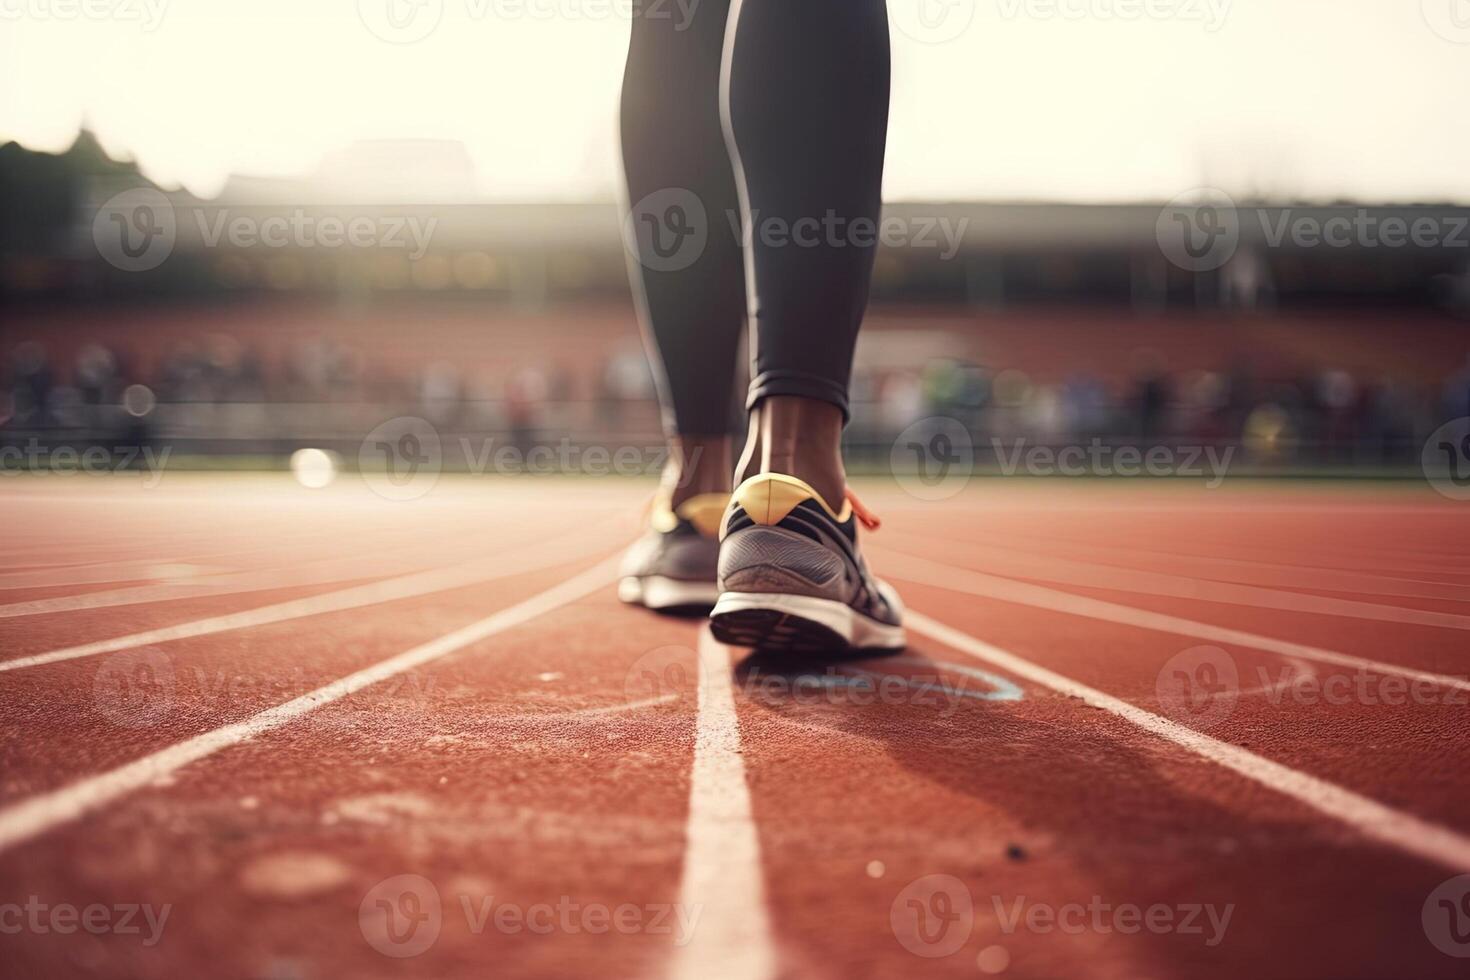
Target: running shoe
{"points": [[672, 567], [791, 577]]}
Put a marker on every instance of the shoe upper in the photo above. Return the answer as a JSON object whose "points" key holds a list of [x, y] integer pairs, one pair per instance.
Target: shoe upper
{"points": [[682, 543], [780, 536]]}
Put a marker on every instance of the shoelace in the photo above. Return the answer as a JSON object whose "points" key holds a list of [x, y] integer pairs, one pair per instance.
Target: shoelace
{"points": [[865, 517]]}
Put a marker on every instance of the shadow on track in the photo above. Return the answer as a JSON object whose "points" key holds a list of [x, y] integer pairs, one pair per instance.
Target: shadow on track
{"points": [[1101, 810]]}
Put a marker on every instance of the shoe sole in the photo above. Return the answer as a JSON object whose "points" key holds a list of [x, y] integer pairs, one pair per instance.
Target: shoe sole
{"points": [[667, 594], [798, 624]]}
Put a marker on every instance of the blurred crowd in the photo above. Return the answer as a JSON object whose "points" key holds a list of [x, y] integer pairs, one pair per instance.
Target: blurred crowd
{"points": [[1319, 415], [221, 396]]}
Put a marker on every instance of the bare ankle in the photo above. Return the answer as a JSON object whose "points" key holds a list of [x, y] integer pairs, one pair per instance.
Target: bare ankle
{"points": [[802, 437], [696, 465]]}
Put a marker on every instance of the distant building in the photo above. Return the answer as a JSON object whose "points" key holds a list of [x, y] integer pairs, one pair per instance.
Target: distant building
{"points": [[41, 194], [409, 171], [981, 256]]}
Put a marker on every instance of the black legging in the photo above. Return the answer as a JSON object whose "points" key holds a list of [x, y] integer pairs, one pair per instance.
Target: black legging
{"points": [[805, 117]]}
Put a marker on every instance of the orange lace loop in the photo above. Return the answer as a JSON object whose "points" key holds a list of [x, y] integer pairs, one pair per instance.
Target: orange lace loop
{"points": [[867, 518]]}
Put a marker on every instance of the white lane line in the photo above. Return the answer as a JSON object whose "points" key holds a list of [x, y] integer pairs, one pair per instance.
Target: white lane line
{"points": [[186, 586], [1370, 818], [568, 548], [583, 714], [723, 879], [203, 547], [123, 571], [1221, 569], [43, 813], [912, 569], [1088, 575], [325, 571]]}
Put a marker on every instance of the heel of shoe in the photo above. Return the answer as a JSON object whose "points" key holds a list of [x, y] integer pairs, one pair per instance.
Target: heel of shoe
{"points": [[781, 622], [799, 624], [761, 559]]}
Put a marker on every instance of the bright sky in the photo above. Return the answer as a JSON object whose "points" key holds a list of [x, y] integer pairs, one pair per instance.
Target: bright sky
{"points": [[1058, 99]]}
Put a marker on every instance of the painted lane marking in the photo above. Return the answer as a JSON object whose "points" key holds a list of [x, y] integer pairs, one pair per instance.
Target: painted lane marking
{"points": [[200, 562], [1088, 575], [723, 876], [405, 587], [174, 582], [122, 571], [190, 588], [40, 814], [1370, 818], [1002, 688], [184, 586], [924, 572], [850, 677], [1217, 567], [578, 714], [203, 549], [1211, 566]]}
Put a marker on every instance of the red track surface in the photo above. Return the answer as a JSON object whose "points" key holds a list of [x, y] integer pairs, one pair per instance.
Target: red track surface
{"points": [[568, 761]]}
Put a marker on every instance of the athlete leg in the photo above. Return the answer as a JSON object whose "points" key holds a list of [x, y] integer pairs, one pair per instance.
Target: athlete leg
{"points": [[691, 298], [806, 107]]}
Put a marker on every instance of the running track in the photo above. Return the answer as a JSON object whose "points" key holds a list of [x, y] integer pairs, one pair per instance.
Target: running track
{"points": [[1217, 733]]}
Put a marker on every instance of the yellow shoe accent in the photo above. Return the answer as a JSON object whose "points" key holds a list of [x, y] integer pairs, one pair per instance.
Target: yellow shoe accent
{"points": [[769, 497], [703, 510]]}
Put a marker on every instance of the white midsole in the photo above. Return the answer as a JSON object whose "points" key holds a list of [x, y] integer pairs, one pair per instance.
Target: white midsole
{"points": [[658, 592], [857, 630]]}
